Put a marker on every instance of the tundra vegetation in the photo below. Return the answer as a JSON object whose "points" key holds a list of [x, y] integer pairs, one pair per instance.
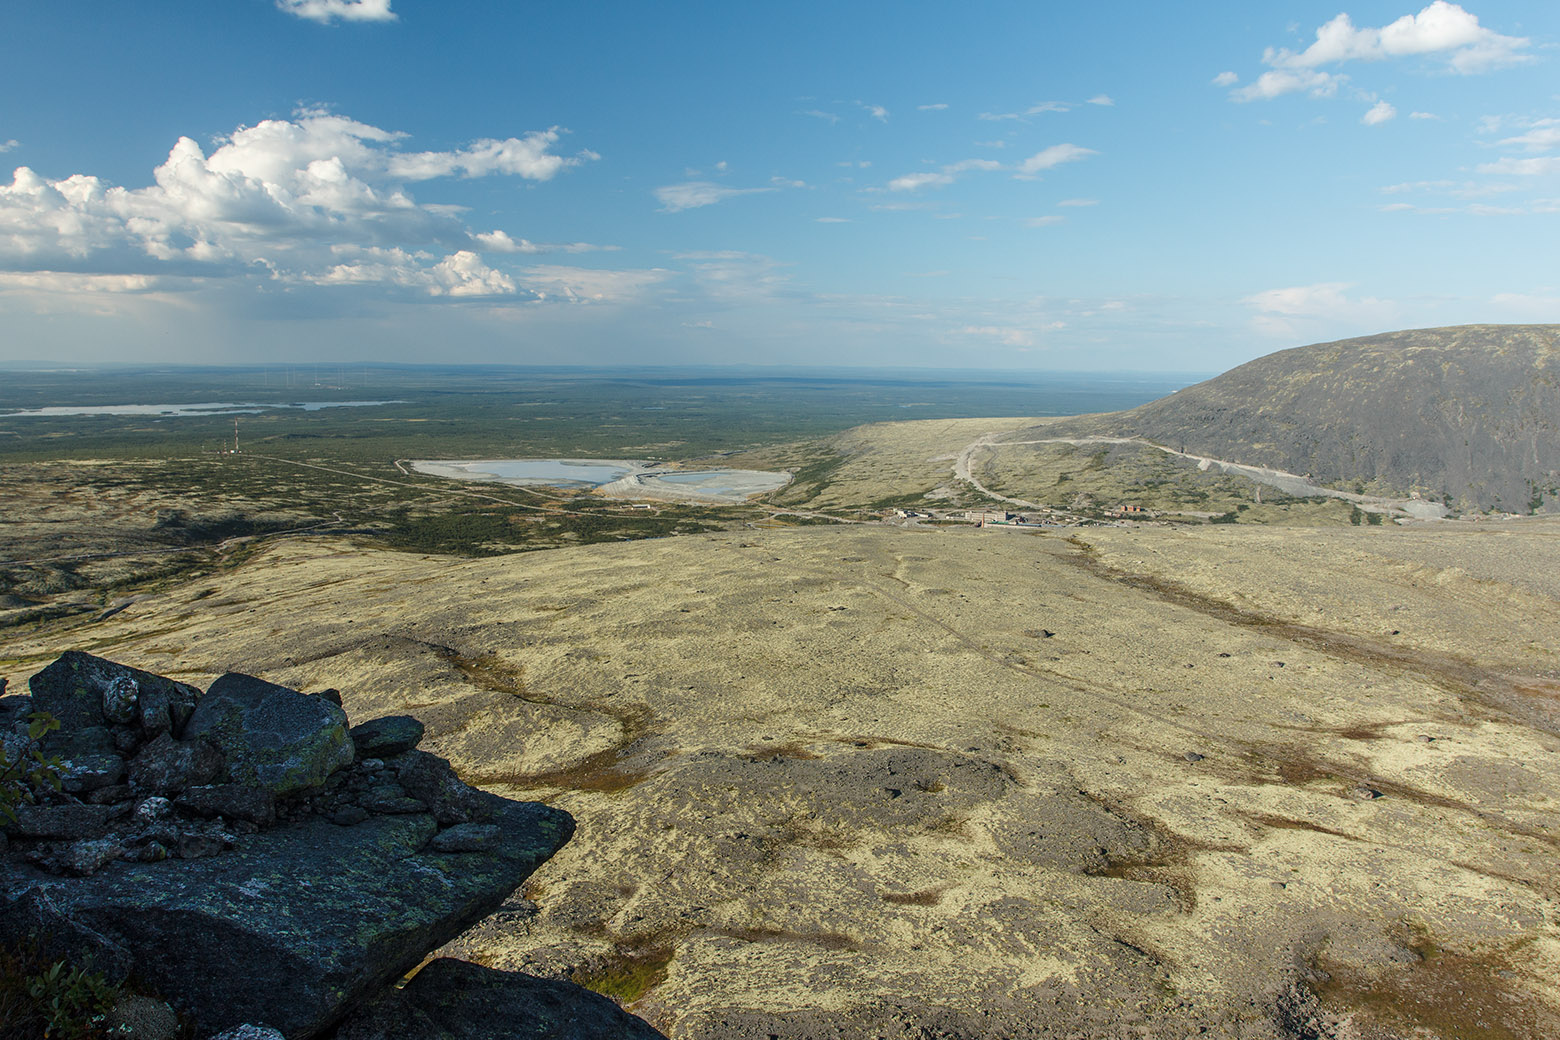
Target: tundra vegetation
{"points": [[1290, 774]]}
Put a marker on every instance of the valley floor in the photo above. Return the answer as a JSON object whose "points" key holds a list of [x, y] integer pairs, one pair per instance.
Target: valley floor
{"points": [[851, 781]]}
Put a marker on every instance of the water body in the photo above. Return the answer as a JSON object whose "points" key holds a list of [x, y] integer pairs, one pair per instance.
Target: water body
{"points": [[545, 472], [205, 408], [617, 478]]}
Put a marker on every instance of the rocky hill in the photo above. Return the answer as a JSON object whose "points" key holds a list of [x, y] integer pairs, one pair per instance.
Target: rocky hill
{"points": [[1467, 415]]}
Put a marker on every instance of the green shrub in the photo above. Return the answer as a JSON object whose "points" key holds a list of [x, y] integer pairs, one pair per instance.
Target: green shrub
{"points": [[44, 1000], [20, 778]]}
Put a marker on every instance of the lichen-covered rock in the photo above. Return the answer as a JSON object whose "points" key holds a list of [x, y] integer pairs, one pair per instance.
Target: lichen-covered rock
{"points": [[121, 699], [457, 1000], [290, 926], [234, 801], [73, 690], [271, 736], [89, 772], [166, 766], [430, 780], [384, 737], [67, 822]]}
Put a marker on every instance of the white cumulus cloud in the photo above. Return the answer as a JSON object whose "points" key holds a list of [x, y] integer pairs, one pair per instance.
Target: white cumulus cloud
{"points": [[1319, 309], [675, 198], [1443, 29], [1379, 113], [1542, 135], [319, 199], [325, 11], [1049, 158], [1534, 167], [1027, 170]]}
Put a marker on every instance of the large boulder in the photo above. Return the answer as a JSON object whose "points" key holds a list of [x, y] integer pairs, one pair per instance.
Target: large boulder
{"points": [[77, 688], [271, 736], [457, 1000], [291, 925]]}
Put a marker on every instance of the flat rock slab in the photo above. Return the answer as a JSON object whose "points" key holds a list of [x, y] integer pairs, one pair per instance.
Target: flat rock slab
{"points": [[292, 925], [458, 1000]]}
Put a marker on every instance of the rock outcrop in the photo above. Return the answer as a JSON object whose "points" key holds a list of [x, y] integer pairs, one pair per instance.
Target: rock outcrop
{"points": [[235, 851]]}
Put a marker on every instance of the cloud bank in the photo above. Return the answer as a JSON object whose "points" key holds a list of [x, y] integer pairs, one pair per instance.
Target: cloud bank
{"points": [[319, 199]]}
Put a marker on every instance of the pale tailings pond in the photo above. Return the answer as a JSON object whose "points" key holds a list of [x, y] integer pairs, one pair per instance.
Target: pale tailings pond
{"points": [[615, 478]]}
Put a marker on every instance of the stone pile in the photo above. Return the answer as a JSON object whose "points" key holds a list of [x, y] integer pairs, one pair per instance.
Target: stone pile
{"points": [[244, 852]]}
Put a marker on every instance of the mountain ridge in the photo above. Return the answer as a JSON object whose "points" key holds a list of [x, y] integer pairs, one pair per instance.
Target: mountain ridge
{"points": [[1467, 415]]}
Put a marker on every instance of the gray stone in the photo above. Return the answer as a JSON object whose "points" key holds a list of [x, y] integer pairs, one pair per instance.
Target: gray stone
{"points": [[167, 766], [430, 780], [110, 795], [390, 802], [84, 742], [391, 735], [151, 810], [89, 772], [349, 816], [121, 699], [87, 857], [68, 822], [271, 736], [234, 801], [465, 837], [292, 926], [143, 1018], [250, 1031], [457, 1000]]}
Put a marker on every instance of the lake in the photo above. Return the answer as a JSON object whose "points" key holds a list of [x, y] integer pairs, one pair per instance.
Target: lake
{"points": [[617, 478]]}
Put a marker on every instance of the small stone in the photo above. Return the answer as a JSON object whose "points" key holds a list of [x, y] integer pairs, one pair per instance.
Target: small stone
{"points": [[1364, 792], [152, 852], [391, 804], [388, 736], [1425, 738], [110, 795], [349, 815], [152, 809], [250, 1032], [120, 698], [431, 781], [465, 837], [1192, 756], [88, 857], [144, 1018], [167, 766], [91, 771], [1277, 886], [199, 844], [372, 765]]}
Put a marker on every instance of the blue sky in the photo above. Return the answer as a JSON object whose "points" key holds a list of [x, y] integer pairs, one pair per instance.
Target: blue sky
{"points": [[1034, 186]]}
